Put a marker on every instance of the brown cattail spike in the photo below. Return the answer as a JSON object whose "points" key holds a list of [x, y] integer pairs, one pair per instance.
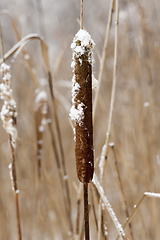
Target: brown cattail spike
{"points": [[81, 110], [41, 110]]}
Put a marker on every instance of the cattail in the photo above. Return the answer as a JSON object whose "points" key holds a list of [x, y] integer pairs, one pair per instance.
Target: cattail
{"points": [[81, 110], [8, 114], [41, 110]]}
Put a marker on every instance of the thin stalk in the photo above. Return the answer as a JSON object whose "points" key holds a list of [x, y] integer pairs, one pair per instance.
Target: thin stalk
{"points": [[58, 165], [105, 148], [83, 228], [104, 153], [99, 219], [15, 188], [81, 14], [86, 211], [103, 58], [93, 207], [145, 195], [66, 184], [109, 207], [79, 200], [122, 190], [134, 211], [2, 49]]}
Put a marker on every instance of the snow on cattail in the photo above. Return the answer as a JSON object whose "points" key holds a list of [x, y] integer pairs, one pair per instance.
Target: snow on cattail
{"points": [[8, 113], [81, 110], [41, 110]]}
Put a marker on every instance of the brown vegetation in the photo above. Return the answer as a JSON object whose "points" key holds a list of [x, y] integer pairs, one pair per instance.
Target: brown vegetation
{"points": [[126, 133]]}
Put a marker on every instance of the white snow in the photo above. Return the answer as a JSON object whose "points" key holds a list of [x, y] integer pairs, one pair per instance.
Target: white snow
{"points": [[65, 177], [94, 82], [5, 68], [40, 142], [81, 42], [75, 89], [26, 57], [150, 194], [42, 95], [146, 104], [41, 99], [41, 128], [111, 144], [102, 160], [84, 37], [11, 175], [41, 104], [77, 114]]}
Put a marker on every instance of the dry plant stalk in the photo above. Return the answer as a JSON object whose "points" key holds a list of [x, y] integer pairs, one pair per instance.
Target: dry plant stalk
{"points": [[121, 187], [104, 153], [81, 112], [16, 49], [109, 208], [103, 57], [136, 207], [8, 116]]}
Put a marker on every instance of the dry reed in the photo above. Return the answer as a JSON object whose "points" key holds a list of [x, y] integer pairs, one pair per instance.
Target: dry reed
{"points": [[134, 123]]}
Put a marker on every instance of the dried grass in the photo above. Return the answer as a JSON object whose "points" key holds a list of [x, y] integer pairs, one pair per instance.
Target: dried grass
{"points": [[133, 124]]}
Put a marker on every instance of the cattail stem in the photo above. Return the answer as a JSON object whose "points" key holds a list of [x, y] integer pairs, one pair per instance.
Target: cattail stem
{"points": [[17, 216], [2, 49], [86, 211], [15, 188], [81, 14]]}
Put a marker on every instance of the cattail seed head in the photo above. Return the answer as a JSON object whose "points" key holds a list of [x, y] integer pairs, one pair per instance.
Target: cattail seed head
{"points": [[8, 113], [41, 110], [81, 110]]}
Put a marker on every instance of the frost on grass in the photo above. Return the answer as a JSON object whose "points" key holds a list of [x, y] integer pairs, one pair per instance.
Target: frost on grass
{"points": [[150, 194], [109, 207], [8, 113], [102, 160], [111, 144], [41, 101], [11, 175]]}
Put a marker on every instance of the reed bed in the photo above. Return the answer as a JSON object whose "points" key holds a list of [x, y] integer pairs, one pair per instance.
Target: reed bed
{"points": [[47, 198]]}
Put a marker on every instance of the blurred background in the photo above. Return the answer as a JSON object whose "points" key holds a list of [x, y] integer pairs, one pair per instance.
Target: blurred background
{"points": [[135, 125]]}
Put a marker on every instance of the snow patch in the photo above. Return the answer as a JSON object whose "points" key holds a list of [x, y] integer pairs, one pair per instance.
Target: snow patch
{"points": [[77, 114], [111, 144], [82, 42], [102, 160], [150, 194]]}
